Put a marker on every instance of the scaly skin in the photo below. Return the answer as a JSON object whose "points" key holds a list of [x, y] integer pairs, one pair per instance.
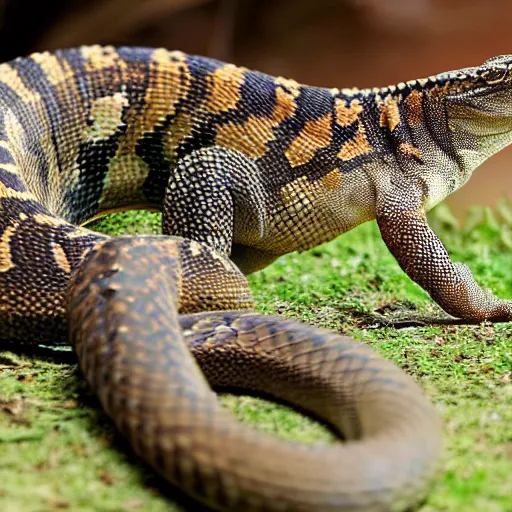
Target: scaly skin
{"points": [[248, 167], [132, 347]]}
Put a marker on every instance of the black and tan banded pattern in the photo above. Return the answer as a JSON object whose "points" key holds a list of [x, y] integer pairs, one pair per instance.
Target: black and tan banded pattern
{"points": [[244, 167]]}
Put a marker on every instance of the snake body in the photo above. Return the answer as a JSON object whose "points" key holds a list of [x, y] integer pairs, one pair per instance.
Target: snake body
{"points": [[157, 320]]}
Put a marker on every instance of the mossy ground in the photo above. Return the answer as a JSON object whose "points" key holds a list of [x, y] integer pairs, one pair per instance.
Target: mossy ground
{"points": [[58, 451]]}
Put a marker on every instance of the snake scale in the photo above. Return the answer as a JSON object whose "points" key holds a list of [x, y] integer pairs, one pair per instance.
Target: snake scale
{"points": [[244, 168]]}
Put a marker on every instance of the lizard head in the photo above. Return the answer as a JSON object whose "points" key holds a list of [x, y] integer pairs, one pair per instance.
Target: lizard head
{"points": [[484, 92], [479, 110]]}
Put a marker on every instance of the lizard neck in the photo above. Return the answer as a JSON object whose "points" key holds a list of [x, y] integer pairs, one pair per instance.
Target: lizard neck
{"points": [[399, 130], [480, 126]]}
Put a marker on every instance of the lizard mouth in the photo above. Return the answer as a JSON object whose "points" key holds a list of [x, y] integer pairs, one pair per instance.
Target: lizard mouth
{"points": [[486, 105]]}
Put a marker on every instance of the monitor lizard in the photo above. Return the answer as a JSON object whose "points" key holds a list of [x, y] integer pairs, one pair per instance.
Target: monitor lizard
{"points": [[244, 167]]}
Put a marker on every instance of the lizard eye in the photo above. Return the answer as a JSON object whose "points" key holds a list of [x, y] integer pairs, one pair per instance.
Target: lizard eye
{"points": [[495, 75]]}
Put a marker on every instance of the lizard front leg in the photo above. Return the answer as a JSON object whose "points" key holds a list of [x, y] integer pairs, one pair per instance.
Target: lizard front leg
{"points": [[403, 225], [215, 196]]}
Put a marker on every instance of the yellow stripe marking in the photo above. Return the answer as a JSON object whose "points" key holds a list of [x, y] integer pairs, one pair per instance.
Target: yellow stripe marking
{"points": [[358, 146], [80, 232], [289, 83], [10, 193], [10, 77], [5, 248], [224, 89], [414, 108], [345, 116], [60, 257], [5, 144], [42, 218], [253, 136], [182, 128], [10, 168], [389, 114], [315, 135], [332, 181], [169, 83], [102, 57], [285, 102], [106, 116], [15, 132], [56, 71], [163, 56], [409, 150]]}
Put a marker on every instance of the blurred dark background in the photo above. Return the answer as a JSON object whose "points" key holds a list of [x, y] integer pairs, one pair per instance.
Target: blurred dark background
{"points": [[334, 43]]}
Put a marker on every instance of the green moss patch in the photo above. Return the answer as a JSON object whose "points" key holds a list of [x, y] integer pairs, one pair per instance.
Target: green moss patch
{"points": [[58, 451]]}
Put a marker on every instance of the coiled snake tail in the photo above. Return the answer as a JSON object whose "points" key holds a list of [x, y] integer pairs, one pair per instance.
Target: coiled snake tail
{"points": [[135, 351]]}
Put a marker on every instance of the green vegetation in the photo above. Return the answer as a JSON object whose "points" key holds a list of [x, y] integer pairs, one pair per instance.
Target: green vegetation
{"points": [[58, 451]]}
